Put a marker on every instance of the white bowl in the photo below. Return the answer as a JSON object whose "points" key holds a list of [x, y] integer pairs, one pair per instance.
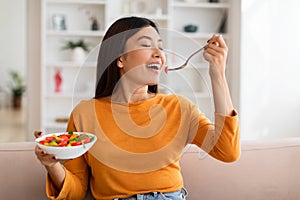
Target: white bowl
{"points": [[66, 152]]}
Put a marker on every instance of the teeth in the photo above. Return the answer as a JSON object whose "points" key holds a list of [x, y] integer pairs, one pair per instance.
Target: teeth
{"points": [[153, 66]]}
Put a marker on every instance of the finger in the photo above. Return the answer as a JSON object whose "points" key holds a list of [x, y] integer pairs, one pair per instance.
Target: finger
{"points": [[213, 49], [221, 41], [39, 151], [217, 40], [211, 52], [207, 57], [216, 44], [38, 133], [49, 159], [213, 41]]}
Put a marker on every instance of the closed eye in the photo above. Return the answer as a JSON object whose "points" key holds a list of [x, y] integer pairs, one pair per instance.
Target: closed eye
{"points": [[146, 45]]}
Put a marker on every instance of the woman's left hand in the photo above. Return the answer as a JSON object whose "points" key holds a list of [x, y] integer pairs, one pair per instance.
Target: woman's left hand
{"points": [[216, 54]]}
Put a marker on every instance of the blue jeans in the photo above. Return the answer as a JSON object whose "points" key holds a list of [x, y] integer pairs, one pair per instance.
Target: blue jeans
{"points": [[178, 195]]}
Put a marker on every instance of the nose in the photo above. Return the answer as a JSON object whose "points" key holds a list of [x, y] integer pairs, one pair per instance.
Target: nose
{"points": [[158, 53]]}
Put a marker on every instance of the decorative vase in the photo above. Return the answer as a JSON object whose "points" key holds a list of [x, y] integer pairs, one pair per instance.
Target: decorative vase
{"points": [[17, 102], [78, 54], [58, 80], [95, 26]]}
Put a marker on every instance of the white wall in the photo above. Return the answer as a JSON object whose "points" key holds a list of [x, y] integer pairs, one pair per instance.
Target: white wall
{"points": [[270, 69], [12, 38]]}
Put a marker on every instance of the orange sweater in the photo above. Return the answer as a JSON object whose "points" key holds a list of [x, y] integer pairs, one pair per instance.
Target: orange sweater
{"points": [[139, 146]]}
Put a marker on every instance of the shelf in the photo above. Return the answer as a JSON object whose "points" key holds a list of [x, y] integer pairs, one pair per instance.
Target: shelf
{"points": [[81, 33], [149, 16], [68, 95], [69, 64], [200, 5], [199, 35], [96, 2], [55, 125]]}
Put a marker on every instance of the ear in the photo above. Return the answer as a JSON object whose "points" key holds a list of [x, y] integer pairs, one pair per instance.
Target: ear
{"points": [[120, 62]]}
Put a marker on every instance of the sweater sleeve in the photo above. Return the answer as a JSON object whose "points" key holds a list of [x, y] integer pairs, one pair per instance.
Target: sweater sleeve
{"points": [[77, 175], [220, 140]]}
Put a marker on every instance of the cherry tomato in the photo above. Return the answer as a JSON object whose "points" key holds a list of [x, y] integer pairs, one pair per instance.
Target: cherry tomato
{"points": [[50, 138], [76, 143], [44, 141], [63, 143], [66, 135], [63, 137], [85, 140]]}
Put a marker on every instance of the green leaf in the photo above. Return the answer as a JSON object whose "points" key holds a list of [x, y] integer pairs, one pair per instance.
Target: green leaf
{"points": [[73, 45]]}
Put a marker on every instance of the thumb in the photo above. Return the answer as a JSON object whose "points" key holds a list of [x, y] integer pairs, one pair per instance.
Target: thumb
{"points": [[38, 134]]}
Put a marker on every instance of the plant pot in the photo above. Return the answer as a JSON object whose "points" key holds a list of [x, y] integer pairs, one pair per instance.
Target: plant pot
{"points": [[17, 102], [77, 54]]}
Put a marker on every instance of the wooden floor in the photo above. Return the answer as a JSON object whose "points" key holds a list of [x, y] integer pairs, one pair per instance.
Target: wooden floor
{"points": [[12, 124]]}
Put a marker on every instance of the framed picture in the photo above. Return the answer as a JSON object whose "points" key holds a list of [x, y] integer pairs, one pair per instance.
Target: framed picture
{"points": [[59, 22]]}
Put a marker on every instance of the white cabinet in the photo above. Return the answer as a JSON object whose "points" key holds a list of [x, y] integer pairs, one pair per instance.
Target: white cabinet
{"points": [[79, 77]]}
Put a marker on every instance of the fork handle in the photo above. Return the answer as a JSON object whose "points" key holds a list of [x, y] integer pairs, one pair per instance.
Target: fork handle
{"points": [[195, 53], [187, 60]]}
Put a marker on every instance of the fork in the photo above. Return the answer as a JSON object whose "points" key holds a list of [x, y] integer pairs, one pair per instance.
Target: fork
{"points": [[186, 62]]}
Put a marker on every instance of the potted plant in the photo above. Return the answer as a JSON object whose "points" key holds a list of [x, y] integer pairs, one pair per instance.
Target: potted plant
{"points": [[78, 49], [17, 86]]}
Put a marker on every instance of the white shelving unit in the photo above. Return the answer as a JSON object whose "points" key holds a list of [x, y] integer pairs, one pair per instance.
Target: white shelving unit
{"points": [[78, 77], [171, 16], [193, 82]]}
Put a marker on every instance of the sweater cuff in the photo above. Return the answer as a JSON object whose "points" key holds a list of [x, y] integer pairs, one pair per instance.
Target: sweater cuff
{"points": [[234, 114], [51, 190], [232, 122]]}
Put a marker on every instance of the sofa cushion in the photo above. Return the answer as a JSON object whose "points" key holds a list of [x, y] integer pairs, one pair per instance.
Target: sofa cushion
{"points": [[22, 175], [266, 169]]}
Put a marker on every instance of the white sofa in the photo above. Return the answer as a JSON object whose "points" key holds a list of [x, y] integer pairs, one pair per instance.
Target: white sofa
{"points": [[266, 170]]}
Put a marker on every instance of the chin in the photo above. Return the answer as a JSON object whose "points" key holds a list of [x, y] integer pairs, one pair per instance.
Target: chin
{"points": [[152, 83]]}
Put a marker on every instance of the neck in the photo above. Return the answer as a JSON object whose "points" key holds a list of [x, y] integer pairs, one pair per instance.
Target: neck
{"points": [[131, 94]]}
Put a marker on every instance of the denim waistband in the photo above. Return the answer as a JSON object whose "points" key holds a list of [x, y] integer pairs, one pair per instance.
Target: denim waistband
{"points": [[177, 195]]}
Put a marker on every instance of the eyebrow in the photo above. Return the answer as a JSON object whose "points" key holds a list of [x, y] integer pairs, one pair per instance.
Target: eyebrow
{"points": [[148, 38]]}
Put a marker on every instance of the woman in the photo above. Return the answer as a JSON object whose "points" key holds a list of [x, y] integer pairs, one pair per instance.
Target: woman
{"points": [[141, 133]]}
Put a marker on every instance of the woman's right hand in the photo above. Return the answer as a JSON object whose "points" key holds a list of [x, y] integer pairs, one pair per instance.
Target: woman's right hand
{"points": [[51, 163], [48, 160]]}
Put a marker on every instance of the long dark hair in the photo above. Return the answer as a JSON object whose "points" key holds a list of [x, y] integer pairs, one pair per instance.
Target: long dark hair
{"points": [[112, 47]]}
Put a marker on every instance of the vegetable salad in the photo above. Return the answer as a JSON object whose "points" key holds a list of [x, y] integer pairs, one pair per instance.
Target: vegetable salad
{"points": [[67, 139]]}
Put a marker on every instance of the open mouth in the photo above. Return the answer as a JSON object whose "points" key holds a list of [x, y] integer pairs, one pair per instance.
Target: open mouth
{"points": [[153, 66]]}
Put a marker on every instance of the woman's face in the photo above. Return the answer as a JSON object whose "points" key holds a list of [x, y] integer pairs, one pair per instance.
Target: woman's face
{"points": [[143, 58]]}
